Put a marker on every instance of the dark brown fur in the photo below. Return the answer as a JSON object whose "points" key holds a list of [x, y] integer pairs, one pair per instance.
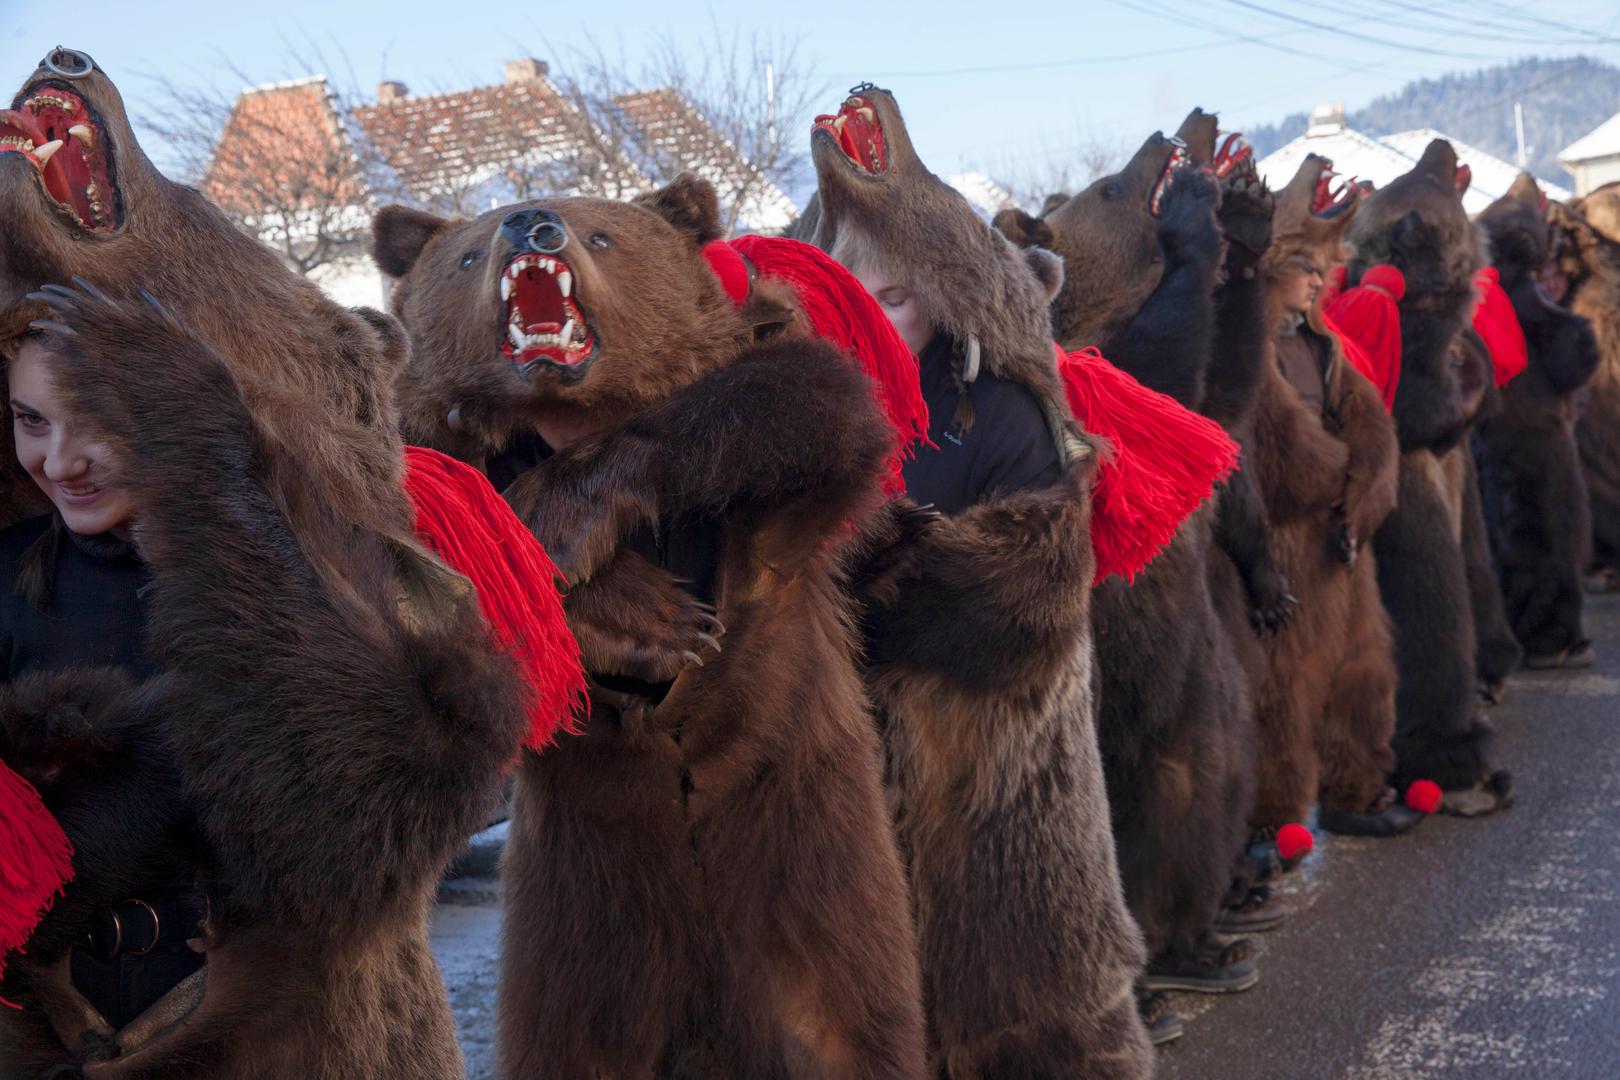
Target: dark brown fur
{"points": [[1327, 711], [705, 886], [337, 723], [980, 661]]}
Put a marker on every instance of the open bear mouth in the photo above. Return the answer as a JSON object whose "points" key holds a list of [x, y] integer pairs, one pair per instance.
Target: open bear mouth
{"points": [[63, 138], [1328, 200], [543, 320], [1178, 157], [1465, 176], [856, 130], [1235, 153]]}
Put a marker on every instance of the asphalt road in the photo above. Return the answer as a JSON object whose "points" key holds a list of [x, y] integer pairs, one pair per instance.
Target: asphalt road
{"points": [[1469, 949]]}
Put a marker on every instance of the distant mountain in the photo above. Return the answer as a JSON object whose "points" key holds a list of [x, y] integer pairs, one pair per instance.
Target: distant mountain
{"points": [[1562, 99]]}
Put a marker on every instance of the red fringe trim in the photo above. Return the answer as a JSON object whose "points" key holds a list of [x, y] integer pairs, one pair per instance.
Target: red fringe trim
{"points": [[36, 861], [1164, 462], [1498, 324], [462, 519]]}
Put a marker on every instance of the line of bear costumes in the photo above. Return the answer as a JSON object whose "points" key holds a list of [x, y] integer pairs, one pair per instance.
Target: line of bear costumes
{"points": [[1417, 224], [980, 662], [1587, 250], [340, 728], [1141, 252], [705, 882], [1534, 494]]}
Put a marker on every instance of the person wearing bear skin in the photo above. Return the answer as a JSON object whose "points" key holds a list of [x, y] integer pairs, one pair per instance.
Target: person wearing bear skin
{"points": [[327, 718], [703, 882], [979, 651], [1142, 252], [1534, 494]]}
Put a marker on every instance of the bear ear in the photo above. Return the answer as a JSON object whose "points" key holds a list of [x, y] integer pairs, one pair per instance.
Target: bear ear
{"points": [[689, 204], [398, 235], [1409, 233], [1023, 229], [1048, 269], [1053, 201]]}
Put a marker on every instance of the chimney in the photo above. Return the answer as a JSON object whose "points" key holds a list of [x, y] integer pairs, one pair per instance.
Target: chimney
{"points": [[1327, 119], [390, 92], [522, 71]]}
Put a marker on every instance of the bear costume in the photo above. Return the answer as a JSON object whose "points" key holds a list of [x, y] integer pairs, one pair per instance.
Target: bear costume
{"points": [[1417, 224], [980, 657], [1534, 494], [1142, 251], [704, 881], [328, 706]]}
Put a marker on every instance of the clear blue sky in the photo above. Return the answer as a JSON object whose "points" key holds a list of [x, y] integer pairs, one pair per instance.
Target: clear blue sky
{"points": [[983, 86]]}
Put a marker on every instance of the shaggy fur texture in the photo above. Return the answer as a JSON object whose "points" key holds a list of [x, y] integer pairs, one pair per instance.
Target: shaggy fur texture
{"points": [[1418, 223], [337, 725], [703, 884], [1327, 711], [1587, 244], [981, 663], [1535, 500], [1176, 724], [328, 704]]}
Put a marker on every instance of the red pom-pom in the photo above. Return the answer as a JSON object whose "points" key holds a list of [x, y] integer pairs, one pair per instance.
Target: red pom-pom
{"points": [[1294, 842], [1367, 321], [1498, 325], [728, 265], [1424, 796]]}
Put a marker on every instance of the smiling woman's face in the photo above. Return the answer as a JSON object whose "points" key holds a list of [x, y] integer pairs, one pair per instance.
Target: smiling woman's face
{"points": [[70, 467]]}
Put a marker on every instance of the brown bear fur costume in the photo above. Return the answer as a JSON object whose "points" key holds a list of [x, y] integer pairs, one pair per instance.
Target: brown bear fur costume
{"points": [[981, 664], [1328, 708], [339, 722], [1534, 493], [1587, 243], [1418, 224], [1141, 252], [704, 883]]}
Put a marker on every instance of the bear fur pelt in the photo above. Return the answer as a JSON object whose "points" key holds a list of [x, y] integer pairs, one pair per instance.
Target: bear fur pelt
{"points": [[1534, 494], [1417, 223], [1587, 279], [704, 882], [337, 728], [981, 662], [1142, 251], [1327, 712]]}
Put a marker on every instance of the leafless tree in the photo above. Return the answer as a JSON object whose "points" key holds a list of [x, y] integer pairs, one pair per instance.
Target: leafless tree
{"points": [[1035, 173]]}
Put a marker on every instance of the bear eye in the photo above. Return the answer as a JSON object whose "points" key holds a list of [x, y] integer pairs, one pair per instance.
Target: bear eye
{"points": [[1110, 191], [601, 240], [470, 258]]}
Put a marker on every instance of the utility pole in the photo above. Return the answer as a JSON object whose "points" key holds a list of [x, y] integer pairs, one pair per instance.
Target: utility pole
{"points": [[1518, 126], [770, 102]]}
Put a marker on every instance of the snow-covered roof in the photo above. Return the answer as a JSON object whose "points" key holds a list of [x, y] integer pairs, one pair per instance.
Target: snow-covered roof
{"points": [[1383, 158], [1601, 142]]}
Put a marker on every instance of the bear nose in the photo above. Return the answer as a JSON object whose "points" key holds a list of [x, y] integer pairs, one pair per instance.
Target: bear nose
{"points": [[535, 230]]}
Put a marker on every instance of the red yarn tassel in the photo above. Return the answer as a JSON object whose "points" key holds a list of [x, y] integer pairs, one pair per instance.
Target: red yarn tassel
{"points": [[471, 528], [841, 311], [1498, 324], [1165, 461], [1367, 320], [36, 861]]}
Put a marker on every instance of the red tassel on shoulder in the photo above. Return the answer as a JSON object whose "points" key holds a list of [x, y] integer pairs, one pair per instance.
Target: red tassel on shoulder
{"points": [[841, 311], [1498, 324], [1163, 460], [36, 861], [1367, 320], [468, 525]]}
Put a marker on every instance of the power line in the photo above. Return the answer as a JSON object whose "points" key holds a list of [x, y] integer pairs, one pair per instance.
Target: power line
{"points": [[1384, 42]]}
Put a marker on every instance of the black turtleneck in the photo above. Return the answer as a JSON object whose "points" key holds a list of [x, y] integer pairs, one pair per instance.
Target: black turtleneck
{"points": [[1008, 448], [96, 614]]}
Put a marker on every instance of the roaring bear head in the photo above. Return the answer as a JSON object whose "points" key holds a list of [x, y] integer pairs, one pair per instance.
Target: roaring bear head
{"points": [[554, 309], [1517, 230], [78, 196], [1311, 219], [1108, 238], [1418, 224], [881, 208]]}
